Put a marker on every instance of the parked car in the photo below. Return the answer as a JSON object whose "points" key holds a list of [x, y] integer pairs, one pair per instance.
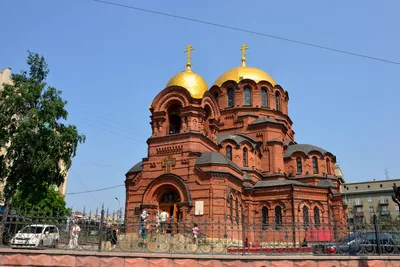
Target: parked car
{"points": [[36, 236], [361, 243]]}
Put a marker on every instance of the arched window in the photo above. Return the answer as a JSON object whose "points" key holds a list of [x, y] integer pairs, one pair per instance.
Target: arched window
{"points": [[264, 218], [231, 101], [231, 207], [328, 166], [174, 119], [278, 217], [264, 98], [278, 101], [169, 197], [245, 161], [229, 152], [237, 209], [305, 216], [216, 96], [315, 164], [299, 165], [247, 96], [317, 218]]}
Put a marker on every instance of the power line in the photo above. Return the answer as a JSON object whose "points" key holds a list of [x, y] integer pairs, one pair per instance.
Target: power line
{"points": [[95, 190], [250, 31], [110, 126], [109, 120], [89, 124], [84, 186]]}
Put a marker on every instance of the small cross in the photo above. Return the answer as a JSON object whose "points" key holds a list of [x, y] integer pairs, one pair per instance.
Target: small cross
{"points": [[168, 163], [188, 49], [243, 48]]}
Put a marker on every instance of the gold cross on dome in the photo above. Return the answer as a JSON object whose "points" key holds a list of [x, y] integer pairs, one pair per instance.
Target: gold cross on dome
{"points": [[188, 49], [243, 48]]}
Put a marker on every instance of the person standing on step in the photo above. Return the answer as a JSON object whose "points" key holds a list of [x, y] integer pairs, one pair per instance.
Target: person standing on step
{"points": [[163, 220]]}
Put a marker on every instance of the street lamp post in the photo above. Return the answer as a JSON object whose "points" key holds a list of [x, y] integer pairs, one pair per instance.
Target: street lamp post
{"points": [[119, 211]]}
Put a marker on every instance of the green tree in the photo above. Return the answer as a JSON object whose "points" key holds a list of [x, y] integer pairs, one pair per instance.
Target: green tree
{"points": [[52, 204], [33, 130]]}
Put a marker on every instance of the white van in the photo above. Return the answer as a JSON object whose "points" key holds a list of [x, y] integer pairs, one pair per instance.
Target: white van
{"points": [[36, 236]]}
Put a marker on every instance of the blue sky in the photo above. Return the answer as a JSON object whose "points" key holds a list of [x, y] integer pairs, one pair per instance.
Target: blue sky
{"points": [[110, 62]]}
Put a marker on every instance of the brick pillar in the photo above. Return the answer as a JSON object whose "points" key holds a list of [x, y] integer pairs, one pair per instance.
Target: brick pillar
{"points": [[184, 210]]}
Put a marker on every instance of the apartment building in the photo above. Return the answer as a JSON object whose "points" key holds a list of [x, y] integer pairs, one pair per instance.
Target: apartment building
{"points": [[364, 199]]}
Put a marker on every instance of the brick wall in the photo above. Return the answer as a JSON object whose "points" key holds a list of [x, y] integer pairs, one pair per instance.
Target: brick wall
{"points": [[88, 258]]}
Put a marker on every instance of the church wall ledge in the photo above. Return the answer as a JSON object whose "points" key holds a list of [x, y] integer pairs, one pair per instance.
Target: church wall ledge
{"points": [[56, 252]]}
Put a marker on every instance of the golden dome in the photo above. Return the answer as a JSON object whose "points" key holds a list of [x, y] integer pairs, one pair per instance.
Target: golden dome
{"points": [[191, 81], [243, 72]]}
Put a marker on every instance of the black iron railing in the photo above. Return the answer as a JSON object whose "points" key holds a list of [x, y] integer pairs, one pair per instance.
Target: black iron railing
{"points": [[216, 235]]}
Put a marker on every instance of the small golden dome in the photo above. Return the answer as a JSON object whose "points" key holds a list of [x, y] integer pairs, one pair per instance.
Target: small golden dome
{"points": [[193, 82], [189, 80], [243, 72]]}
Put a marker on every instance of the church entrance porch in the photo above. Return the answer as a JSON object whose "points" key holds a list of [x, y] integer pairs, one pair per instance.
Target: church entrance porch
{"points": [[169, 202], [168, 192]]}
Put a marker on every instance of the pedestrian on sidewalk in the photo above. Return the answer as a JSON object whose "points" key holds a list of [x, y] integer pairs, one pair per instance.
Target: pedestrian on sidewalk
{"points": [[75, 230]]}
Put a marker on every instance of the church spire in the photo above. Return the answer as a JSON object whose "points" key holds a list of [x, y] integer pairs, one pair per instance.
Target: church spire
{"points": [[189, 57], [243, 48]]}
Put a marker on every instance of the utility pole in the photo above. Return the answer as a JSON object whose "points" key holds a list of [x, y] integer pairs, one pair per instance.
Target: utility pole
{"points": [[387, 174]]}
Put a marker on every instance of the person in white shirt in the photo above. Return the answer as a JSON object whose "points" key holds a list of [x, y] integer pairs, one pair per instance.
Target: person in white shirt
{"points": [[163, 220], [73, 242]]}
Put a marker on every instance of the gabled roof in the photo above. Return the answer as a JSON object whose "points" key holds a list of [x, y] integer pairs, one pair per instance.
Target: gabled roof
{"points": [[137, 168], [246, 177], [215, 158], [276, 183], [238, 139], [262, 120], [325, 183], [305, 148], [248, 114]]}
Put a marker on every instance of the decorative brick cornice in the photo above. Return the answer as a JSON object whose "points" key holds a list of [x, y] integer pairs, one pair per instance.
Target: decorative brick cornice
{"points": [[169, 150]]}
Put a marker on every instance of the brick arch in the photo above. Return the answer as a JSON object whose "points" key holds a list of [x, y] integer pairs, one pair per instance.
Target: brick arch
{"points": [[282, 92], [278, 203], [173, 93], [163, 183], [263, 204], [209, 100], [319, 205], [265, 84], [304, 203]]}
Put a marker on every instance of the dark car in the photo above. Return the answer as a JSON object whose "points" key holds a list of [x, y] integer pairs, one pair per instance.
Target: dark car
{"points": [[361, 243]]}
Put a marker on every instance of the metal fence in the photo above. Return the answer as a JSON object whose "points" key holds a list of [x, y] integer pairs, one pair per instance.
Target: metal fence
{"points": [[216, 235]]}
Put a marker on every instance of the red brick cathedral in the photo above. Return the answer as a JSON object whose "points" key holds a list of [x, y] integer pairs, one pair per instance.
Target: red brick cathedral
{"points": [[229, 152]]}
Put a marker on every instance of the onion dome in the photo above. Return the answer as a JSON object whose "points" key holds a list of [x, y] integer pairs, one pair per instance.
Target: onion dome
{"points": [[189, 80], [243, 72]]}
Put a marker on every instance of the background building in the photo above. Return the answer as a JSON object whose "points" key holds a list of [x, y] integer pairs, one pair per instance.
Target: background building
{"points": [[364, 199]]}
